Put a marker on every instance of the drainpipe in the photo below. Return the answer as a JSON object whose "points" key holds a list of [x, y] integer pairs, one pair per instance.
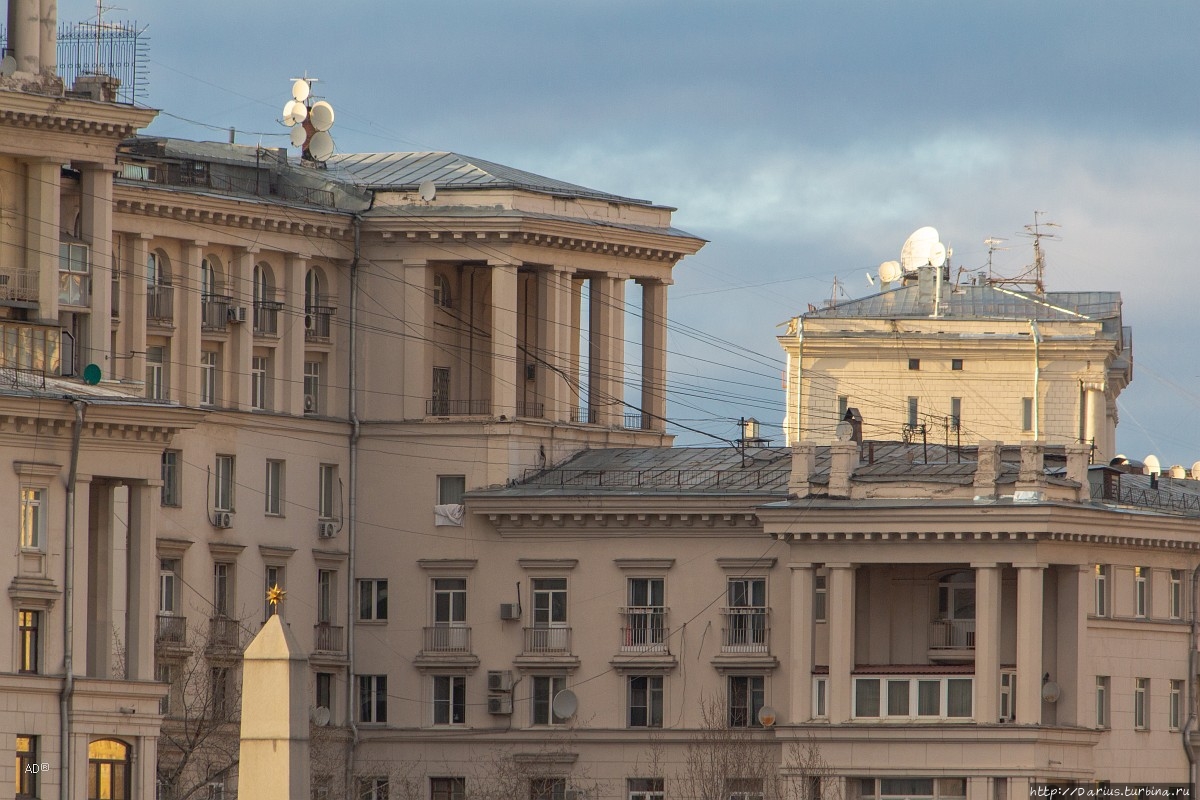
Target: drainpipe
{"points": [[352, 501], [64, 700], [1037, 362], [1186, 733]]}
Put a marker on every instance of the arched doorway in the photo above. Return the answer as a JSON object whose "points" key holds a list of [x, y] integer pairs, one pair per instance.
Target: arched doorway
{"points": [[108, 770]]}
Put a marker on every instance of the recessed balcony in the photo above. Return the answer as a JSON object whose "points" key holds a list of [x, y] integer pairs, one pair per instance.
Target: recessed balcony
{"points": [[318, 320], [952, 640], [214, 313], [160, 303]]}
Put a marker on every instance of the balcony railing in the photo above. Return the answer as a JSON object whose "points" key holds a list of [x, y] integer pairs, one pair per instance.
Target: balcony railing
{"points": [[18, 285], [317, 320], [447, 639], [266, 317], [645, 630], [214, 313], [170, 629], [548, 640], [746, 630], [952, 634], [632, 422], [584, 415], [160, 302], [223, 632], [534, 410], [327, 638], [457, 408]]}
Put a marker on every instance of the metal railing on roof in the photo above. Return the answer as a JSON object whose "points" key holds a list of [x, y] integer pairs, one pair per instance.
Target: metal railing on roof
{"points": [[679, 479]]}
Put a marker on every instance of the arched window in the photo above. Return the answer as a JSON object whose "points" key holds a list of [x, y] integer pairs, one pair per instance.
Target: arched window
{"points": [[262, 284], [312, 290], [108, 770], [441, 290], [208, 280], [956, 596], [152, 272]]}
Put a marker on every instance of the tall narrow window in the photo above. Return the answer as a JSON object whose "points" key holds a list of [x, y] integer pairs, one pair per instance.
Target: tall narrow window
{"points": [[274, 579], [326, 594], [449, 699], [545, 687], [843, 405], [172, 489], [449, 602], [746, 695], [222, 588], [1101, 583], [372, 600], [33, 518], [1141, 703], [441, 290], [328, 491], [224, 480], [439, 403], [372, 698], [273, 489], [168, 585], [312, 387], [913, 412], [1141, 591], [29, 626], [955, 413], [1176, 594], [646, 701], [1175, 706], [549, 602], [1026, 413], [746, 616], [324, 690], [258, 382], [645, 617], [208, 377], [27, 771], [820, 598], [156, 380]]}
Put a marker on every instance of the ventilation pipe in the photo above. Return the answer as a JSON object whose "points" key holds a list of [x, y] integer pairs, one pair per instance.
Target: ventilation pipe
{"points": [[64, 700], [352, 500]]}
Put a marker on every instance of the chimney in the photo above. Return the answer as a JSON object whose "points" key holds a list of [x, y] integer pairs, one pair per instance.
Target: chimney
{"points": [[803, 465], [987, 469], [843, 460], [1077, 469], [1031, 480]]}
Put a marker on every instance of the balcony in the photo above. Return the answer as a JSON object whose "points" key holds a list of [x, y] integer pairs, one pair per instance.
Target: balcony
{"points": [[447, 639], [952, 640], [645, 630], [170, 629], [318, 320], [531, 410], [214, 313], [160, 303], [18, 285], [457, 408], [556, 641], [746, 630], [921, 696], [266, 317], [223, 633], [633, 422], [584, 415], [327, 638]]}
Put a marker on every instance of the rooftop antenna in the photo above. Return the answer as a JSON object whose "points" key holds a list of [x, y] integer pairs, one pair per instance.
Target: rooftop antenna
{"points": [[993, 244], [1039, 259], [837, 290], [310, 121]]}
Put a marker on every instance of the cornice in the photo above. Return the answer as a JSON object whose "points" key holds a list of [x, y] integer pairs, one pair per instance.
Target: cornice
{"points": [[620, 523], [231, 212], [72, 116], [502, 231], [932, 538]]}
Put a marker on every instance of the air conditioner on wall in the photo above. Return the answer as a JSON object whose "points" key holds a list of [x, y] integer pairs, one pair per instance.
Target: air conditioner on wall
{"points": [[237, 314], [500, 704], [510, 611], [500, 680], [326, 530], [224, 519]]}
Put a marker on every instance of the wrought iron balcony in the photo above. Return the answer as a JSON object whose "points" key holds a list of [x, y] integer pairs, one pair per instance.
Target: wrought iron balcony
{"points": [[214, 312], [584, 415], [447, 639], [645, 630], [318, 320], [746, 630], [534, 410], [457, 408], [170, 629], [555, 641], [160, 302], [223, 632], [266, 317]]}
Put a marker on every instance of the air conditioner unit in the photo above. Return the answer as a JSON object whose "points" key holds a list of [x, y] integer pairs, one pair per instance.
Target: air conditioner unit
{"points": [[510, 611], [500, 680], [326, 530], [224, 519], [310, 403], [237, 313], [500, 704]]}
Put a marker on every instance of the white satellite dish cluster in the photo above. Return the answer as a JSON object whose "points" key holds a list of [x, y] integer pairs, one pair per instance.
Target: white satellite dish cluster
{"points": [[310, 122], [922, 249]]}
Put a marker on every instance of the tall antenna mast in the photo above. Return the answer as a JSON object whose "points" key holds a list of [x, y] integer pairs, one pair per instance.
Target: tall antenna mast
{"points": [[993, 244], [1039, 258]]}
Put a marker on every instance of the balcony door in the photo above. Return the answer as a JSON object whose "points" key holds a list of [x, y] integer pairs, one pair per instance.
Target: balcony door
{"points": [[956, 609]]}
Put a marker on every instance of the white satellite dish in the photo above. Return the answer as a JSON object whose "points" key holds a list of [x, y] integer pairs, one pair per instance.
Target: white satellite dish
{"points": [[320, 146], [321, 115], [1177, 471], [890, 271], [564, 704], [767, 716], [8, 66], [294, 113], [320, 716], [1150, 465], [300, 90], [916, 250], [1195, 471], [870, 279], [298, 136], [427, 190], [937, 254]]}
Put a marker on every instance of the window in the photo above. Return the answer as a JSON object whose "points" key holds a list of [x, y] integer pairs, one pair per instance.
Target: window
{"points": [[33, 518], [74, 288], [820, 598], [273, 488], [1141, 589], [222, 701], [1026, 413], [545, 688], [108, 772], [441, 290], [208, 377], [547, 789], [914, 363], [747, 614], [1141, 702], [373, 599], [645, 701], [820, 697], [372, 789], [451, 489], [439, 404], [447, 788], [1008, 695], [372, 698], [312, 387], [940, 788], [1176, 594], [172, 475], [275, 578], [27, 772], [224, 479], [168, 585], [164, 673], [746, 694], [913, 412], [956, 364], [208, 280], [645, 788], [328, 491], [843, 405], [29, 626], [645, 617], [222, 588], [156, 382], [326, 594], [955, 413], [913, 697], [449, 699], [1175, 708], [1101, 582], [449, 602], [549, 602], [323, 697], [1102, 689], [745, 788], [258, 382]]}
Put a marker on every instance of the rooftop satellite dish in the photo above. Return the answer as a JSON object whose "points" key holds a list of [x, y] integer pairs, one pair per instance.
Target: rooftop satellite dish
{"points": [[298, 136], [565, 704], [870, 279], [1195, 471], [321, 115], [320, 146], [937, 254], [320, 716], [767, 716], [1150, 465], [1177, 471], [91, 374], [890, 271], [427, 190], [916, 250], [8, 66], [301, 90], [294, 113]]}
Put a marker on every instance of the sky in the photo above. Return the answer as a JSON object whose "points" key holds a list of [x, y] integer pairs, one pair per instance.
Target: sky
{"points": [[804, 140]]}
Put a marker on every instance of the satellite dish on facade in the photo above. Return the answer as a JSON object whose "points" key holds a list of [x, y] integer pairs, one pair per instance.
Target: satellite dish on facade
{"points": [[321, 115], [298, 136], [320, 716], [92, 374], [565, 704], [767, 716], [917, 248], [301, 90], [427, 190], [890, 271], [320, 146], [1151, 466]]}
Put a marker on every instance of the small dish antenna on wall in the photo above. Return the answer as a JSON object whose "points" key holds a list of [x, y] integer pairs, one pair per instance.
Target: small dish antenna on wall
{"points": [[427, 190], [310, 121], [565, 704]]}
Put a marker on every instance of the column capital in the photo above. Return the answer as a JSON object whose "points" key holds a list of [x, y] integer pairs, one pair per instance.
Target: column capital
{"points": [[986, 565], [795, 567], [1029, 565], [199, 243], [841, 565]]}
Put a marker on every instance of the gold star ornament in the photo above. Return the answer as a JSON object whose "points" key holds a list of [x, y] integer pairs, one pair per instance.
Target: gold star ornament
{"points": [[275, 596]]}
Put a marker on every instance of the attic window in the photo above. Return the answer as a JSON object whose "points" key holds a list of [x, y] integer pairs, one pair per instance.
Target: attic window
{"points": [[914, 363], [956, 364]]}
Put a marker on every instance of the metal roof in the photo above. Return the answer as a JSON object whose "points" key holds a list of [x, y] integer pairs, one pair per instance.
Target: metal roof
{"points": [[496, 212], [406, 171], [978, 302]]}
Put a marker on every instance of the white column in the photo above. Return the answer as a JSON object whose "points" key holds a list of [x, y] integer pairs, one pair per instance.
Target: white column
{"points": [[418, 304], [802, 643], [841, 641], [1095, 421], [1074, 591], [654, 355], [41, 232], [576, 400], [289, 366], [606, 349], [503, 366], [96, 187], [141, 604], [553, 345], [24, 34], [241, 334], [988, 578], [185, 344], [1029, 642], [133, 321]]}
